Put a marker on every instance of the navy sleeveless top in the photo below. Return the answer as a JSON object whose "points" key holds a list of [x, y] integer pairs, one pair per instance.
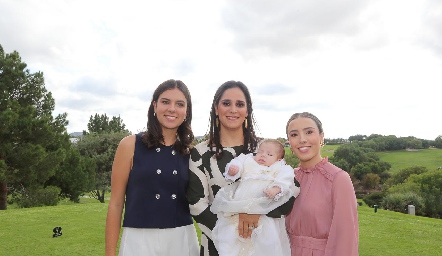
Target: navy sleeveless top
{"points": [[156, 188]]}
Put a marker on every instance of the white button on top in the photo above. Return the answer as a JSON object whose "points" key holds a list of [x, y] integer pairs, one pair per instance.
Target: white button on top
{"points": [[157, 196], [174, 172], [159, 171], [173, 152], [158, 149], [173, 196]]}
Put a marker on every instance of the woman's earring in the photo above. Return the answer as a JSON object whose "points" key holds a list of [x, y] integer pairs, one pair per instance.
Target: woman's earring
{"points": [[154, 114], [245, 123], [216, 121]]}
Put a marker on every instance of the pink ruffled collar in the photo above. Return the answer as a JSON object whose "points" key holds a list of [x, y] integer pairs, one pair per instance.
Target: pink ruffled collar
{"points": [[320, 167], [317, 166]]}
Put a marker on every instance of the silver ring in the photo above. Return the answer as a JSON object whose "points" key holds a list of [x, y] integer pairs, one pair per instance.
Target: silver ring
{"points": [[251, 227]]}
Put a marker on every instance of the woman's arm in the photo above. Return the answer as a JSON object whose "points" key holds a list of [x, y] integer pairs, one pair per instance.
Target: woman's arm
{"points": [[198, 194], [343, 238], [120, 173]]}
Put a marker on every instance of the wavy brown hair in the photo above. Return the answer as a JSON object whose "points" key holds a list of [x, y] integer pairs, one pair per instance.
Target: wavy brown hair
{"points": [[250, 139], [153, 136]]}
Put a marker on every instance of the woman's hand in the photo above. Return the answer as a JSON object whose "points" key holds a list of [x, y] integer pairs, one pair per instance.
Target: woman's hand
{"points": [[246, 224]]}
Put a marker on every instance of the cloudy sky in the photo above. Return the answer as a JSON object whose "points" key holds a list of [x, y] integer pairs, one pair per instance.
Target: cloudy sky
{"points": [[363, 67]]}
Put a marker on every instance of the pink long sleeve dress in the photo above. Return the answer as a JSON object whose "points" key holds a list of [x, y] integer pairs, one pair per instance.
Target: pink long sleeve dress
{"points": [[324, 218]]}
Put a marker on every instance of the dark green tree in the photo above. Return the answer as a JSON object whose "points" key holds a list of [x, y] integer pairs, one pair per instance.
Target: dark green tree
{"points": [[431, 190], [374, 136], [100, 149], [33, 142], [358, 137], [358, 160], [425, 143], [402, 175], [352, 153], [370, 181], [438, 142], [414, 144], [75, 176], [360, 170], [101, 124]]}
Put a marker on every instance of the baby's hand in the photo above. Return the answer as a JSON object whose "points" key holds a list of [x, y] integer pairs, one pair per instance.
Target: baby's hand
{"points": [[272, 192], [233, 170]]}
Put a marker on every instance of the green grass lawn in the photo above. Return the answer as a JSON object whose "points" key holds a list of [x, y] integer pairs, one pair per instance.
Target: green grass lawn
{"points": [[29, 231], [328, 150], [386, 233], [430, 158]]}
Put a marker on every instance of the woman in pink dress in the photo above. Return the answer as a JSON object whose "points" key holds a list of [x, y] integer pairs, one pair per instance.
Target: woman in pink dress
{"points": [[324, 218]]}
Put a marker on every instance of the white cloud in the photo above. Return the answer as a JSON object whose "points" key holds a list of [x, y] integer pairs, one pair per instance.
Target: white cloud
{"points": [[361, 67]]}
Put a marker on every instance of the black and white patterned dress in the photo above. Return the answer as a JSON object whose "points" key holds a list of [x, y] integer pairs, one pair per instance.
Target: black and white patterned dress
{"points": [[205, 180]]}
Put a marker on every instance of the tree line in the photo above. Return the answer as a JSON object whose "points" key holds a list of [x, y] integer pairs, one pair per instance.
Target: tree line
{"points": [[388, 143], [39, 165]]}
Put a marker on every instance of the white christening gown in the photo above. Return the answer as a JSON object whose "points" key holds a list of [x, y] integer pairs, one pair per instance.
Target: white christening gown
{"points": [[247, 196]]}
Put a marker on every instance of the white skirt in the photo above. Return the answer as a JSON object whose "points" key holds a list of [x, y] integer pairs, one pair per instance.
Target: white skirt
{"points": [[152, 241]]}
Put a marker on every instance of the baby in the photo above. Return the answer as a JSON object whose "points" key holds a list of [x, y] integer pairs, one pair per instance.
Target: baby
{"points": [[266, 182]]}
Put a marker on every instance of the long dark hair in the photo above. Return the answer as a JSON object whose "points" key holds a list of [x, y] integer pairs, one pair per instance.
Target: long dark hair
{"points": [[153, 137], [250, 139]]}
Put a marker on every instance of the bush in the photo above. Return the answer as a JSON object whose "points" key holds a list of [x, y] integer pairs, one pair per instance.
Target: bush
{"points": [[430, 188], [374, 198], [384, 176], [370, 181], [27, 198], [393, 202], [402, 175], [360, 194], [343, 164], [399, 202]]}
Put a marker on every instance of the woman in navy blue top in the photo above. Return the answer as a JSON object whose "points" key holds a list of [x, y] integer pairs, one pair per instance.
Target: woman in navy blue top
{"points": [[150, 178]]}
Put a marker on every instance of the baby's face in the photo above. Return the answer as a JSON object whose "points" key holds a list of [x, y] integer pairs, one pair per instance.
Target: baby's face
{"points": [[267, 154]]}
